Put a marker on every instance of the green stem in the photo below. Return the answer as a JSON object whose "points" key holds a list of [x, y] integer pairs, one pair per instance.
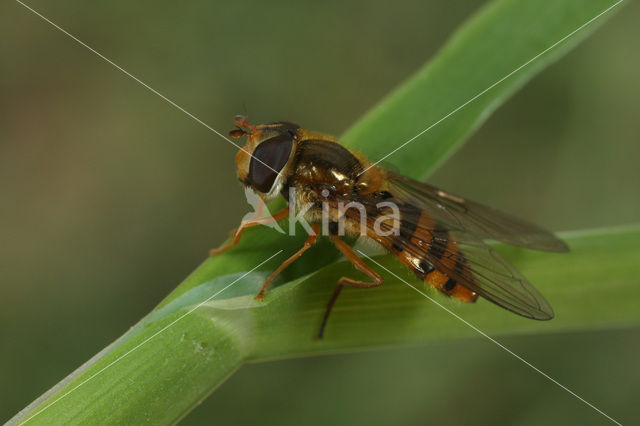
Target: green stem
{"points": [[177, 355]]}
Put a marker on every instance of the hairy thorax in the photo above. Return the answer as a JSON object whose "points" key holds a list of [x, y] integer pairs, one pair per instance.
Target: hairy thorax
{"points": [[325, 174]]}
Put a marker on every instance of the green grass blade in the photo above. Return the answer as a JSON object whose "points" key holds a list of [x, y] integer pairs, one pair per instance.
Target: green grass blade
{"points": [[486, 61], [594, 286], [168, 362]]}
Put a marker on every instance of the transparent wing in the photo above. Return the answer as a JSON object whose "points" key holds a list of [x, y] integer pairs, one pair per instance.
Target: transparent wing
{"points": [[473, 218], [484, 271]]}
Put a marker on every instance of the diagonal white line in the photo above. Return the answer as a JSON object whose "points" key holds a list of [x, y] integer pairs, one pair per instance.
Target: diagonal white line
{"points": [[172, 103], [494, 85], [500, 345], [152, 336]]}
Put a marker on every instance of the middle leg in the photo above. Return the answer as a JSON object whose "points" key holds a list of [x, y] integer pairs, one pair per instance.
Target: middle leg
{"points": [[315, 229]]}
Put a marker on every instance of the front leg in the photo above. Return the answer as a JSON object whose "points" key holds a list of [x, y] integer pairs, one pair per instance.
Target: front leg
{"points": [[277, 217]]}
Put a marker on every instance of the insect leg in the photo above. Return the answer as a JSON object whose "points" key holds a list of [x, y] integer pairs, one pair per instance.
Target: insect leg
{"points": [[307, 244], [277, 217], [361, 266], [258, 214]]}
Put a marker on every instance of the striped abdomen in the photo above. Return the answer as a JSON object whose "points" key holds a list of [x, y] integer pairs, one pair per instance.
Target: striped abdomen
{"points": [[420, 239]]}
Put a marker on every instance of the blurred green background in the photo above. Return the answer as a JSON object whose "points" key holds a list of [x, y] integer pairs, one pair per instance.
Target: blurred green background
{"points": [[110, 196]]}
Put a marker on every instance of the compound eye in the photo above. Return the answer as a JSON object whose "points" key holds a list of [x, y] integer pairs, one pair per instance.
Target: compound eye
{"points": [[267, 161]]}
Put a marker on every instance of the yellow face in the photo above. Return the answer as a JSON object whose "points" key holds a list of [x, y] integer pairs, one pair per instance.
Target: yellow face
{"points": [[264, 160]]}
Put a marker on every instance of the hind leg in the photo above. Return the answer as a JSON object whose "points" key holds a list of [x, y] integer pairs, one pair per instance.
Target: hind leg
{"points": [[344, 281]]}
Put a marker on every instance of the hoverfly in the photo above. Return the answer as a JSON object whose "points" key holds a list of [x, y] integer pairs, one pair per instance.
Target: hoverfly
{"points": [[440, 236]]}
